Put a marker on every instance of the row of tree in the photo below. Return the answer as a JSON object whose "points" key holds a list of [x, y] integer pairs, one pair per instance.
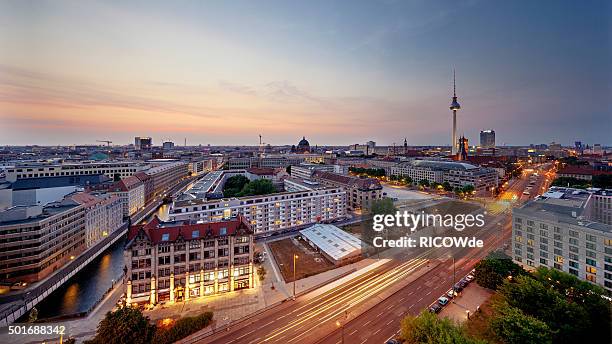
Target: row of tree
{"points": [[368, 172], [603, 181]]}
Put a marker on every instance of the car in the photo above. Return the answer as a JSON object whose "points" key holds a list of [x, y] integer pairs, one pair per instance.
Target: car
{"points": [[450, 293], [526, 193], [392, 341], [435, 308], [443, 300], [469, 278], [463, 283]]}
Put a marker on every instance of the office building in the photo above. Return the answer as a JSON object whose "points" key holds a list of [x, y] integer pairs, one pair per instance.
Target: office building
{"points": [[110, 169], [131, 192], [487, 139], [37, 240], [177, 261], [143, 143], [560, 230]]}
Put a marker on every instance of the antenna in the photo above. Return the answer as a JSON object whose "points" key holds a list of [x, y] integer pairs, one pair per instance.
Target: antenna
{"points": [[454, 84]]}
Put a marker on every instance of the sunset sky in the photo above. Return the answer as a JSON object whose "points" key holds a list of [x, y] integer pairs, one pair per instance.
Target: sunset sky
{"points": [[337, 72]]}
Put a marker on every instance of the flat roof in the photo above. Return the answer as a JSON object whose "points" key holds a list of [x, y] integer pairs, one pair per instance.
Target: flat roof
{"points": [[330, 239]]}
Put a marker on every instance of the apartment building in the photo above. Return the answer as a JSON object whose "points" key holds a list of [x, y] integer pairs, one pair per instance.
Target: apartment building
{"points": [[131, 192], [103, 215], [109, 168], [557, 230], [274, 161], [305, 171], [360, 191], [176, 261], [268, 212]]}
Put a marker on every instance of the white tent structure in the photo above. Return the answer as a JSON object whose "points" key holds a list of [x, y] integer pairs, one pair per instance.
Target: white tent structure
{"points": [[335, 244]]}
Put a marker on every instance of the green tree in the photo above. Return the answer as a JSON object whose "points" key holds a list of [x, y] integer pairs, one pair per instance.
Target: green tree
{"points": [[428, 328], [257, 187], [383, 206], [424, 182], [182, 328], [126, 325], [495, 268], [515, 327], [234, 185], [467, 189]]}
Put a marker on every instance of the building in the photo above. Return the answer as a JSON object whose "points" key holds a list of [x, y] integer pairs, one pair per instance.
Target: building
{"points": [[167, 175], [457, 174], [168, 145], [103, 215], [462, 155], [338, 246], [487, 139], [149, 188], [303, 146], [143, 143], [131, 192], [360, 192], [272, 161], [454, 107], [37, 240], [558, 230], [173, 262], [580, 172], [43, 190], [267, 213], [111, 169], [305, 170]]}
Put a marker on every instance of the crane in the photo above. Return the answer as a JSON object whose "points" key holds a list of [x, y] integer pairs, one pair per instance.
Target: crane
{"points": [[108, 143]]}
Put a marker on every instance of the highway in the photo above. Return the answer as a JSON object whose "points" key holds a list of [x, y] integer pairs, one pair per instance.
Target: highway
{"points": [[368, 308]]}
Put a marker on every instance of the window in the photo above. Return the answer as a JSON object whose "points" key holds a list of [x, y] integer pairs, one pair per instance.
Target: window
{"points": [[165, 237], [195, 234], [591, 262]]}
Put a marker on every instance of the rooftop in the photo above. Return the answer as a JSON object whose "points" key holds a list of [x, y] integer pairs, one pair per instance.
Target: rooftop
{"points": [[335, 242]]}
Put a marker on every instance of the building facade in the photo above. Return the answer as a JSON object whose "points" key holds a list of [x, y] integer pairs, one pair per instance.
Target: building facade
{"points": [[487, 138], [131, 192], [557, 231], [110, 169], [172, 262], [360, 192], [267, 213]]}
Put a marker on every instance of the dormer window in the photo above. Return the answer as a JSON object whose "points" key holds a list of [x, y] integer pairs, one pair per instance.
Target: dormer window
{"points": [[165, 237]]}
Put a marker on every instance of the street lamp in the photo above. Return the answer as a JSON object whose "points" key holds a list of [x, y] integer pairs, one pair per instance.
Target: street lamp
{"points": [[341, 324], [295, 257]]}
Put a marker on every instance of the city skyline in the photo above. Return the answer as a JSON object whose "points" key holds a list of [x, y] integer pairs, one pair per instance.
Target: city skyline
{"points": [[339, 74]]}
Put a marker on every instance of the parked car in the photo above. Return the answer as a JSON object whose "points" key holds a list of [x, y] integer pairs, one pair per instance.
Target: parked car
{"points": [[463, 283], [458, 287], [450, 293], [443, 300], [469, 278], [393, 341], [435, 308]]}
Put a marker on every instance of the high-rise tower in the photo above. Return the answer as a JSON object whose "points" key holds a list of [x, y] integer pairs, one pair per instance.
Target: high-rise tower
{"points": [[454, 107]]}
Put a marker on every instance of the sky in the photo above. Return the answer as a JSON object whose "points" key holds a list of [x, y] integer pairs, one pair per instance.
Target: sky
{"points": [[337, 72]]}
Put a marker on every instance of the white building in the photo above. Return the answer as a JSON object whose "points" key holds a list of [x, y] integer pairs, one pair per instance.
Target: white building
{"points": [[110, 169], [557, 230], [335, 244], [268, 212], [131, 192]]}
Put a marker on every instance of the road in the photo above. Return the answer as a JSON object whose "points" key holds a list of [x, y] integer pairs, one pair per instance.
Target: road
{"points": [[361, 308]]}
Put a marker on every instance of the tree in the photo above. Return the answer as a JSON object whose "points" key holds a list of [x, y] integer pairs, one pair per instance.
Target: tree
{"points": [[125, 325], [495, 268], [383, 206], [424, 182], [447, 186], [261, 272], [182, 328], [428, 328], [467, 189], [515, 327], [234, 185], [257, 187]]}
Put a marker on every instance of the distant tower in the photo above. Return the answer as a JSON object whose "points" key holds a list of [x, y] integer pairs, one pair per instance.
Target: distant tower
{"points": [[454, 107], [405, 146]]}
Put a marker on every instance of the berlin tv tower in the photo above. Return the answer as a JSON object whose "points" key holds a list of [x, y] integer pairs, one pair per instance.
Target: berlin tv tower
{"points": [[454, 107]]}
